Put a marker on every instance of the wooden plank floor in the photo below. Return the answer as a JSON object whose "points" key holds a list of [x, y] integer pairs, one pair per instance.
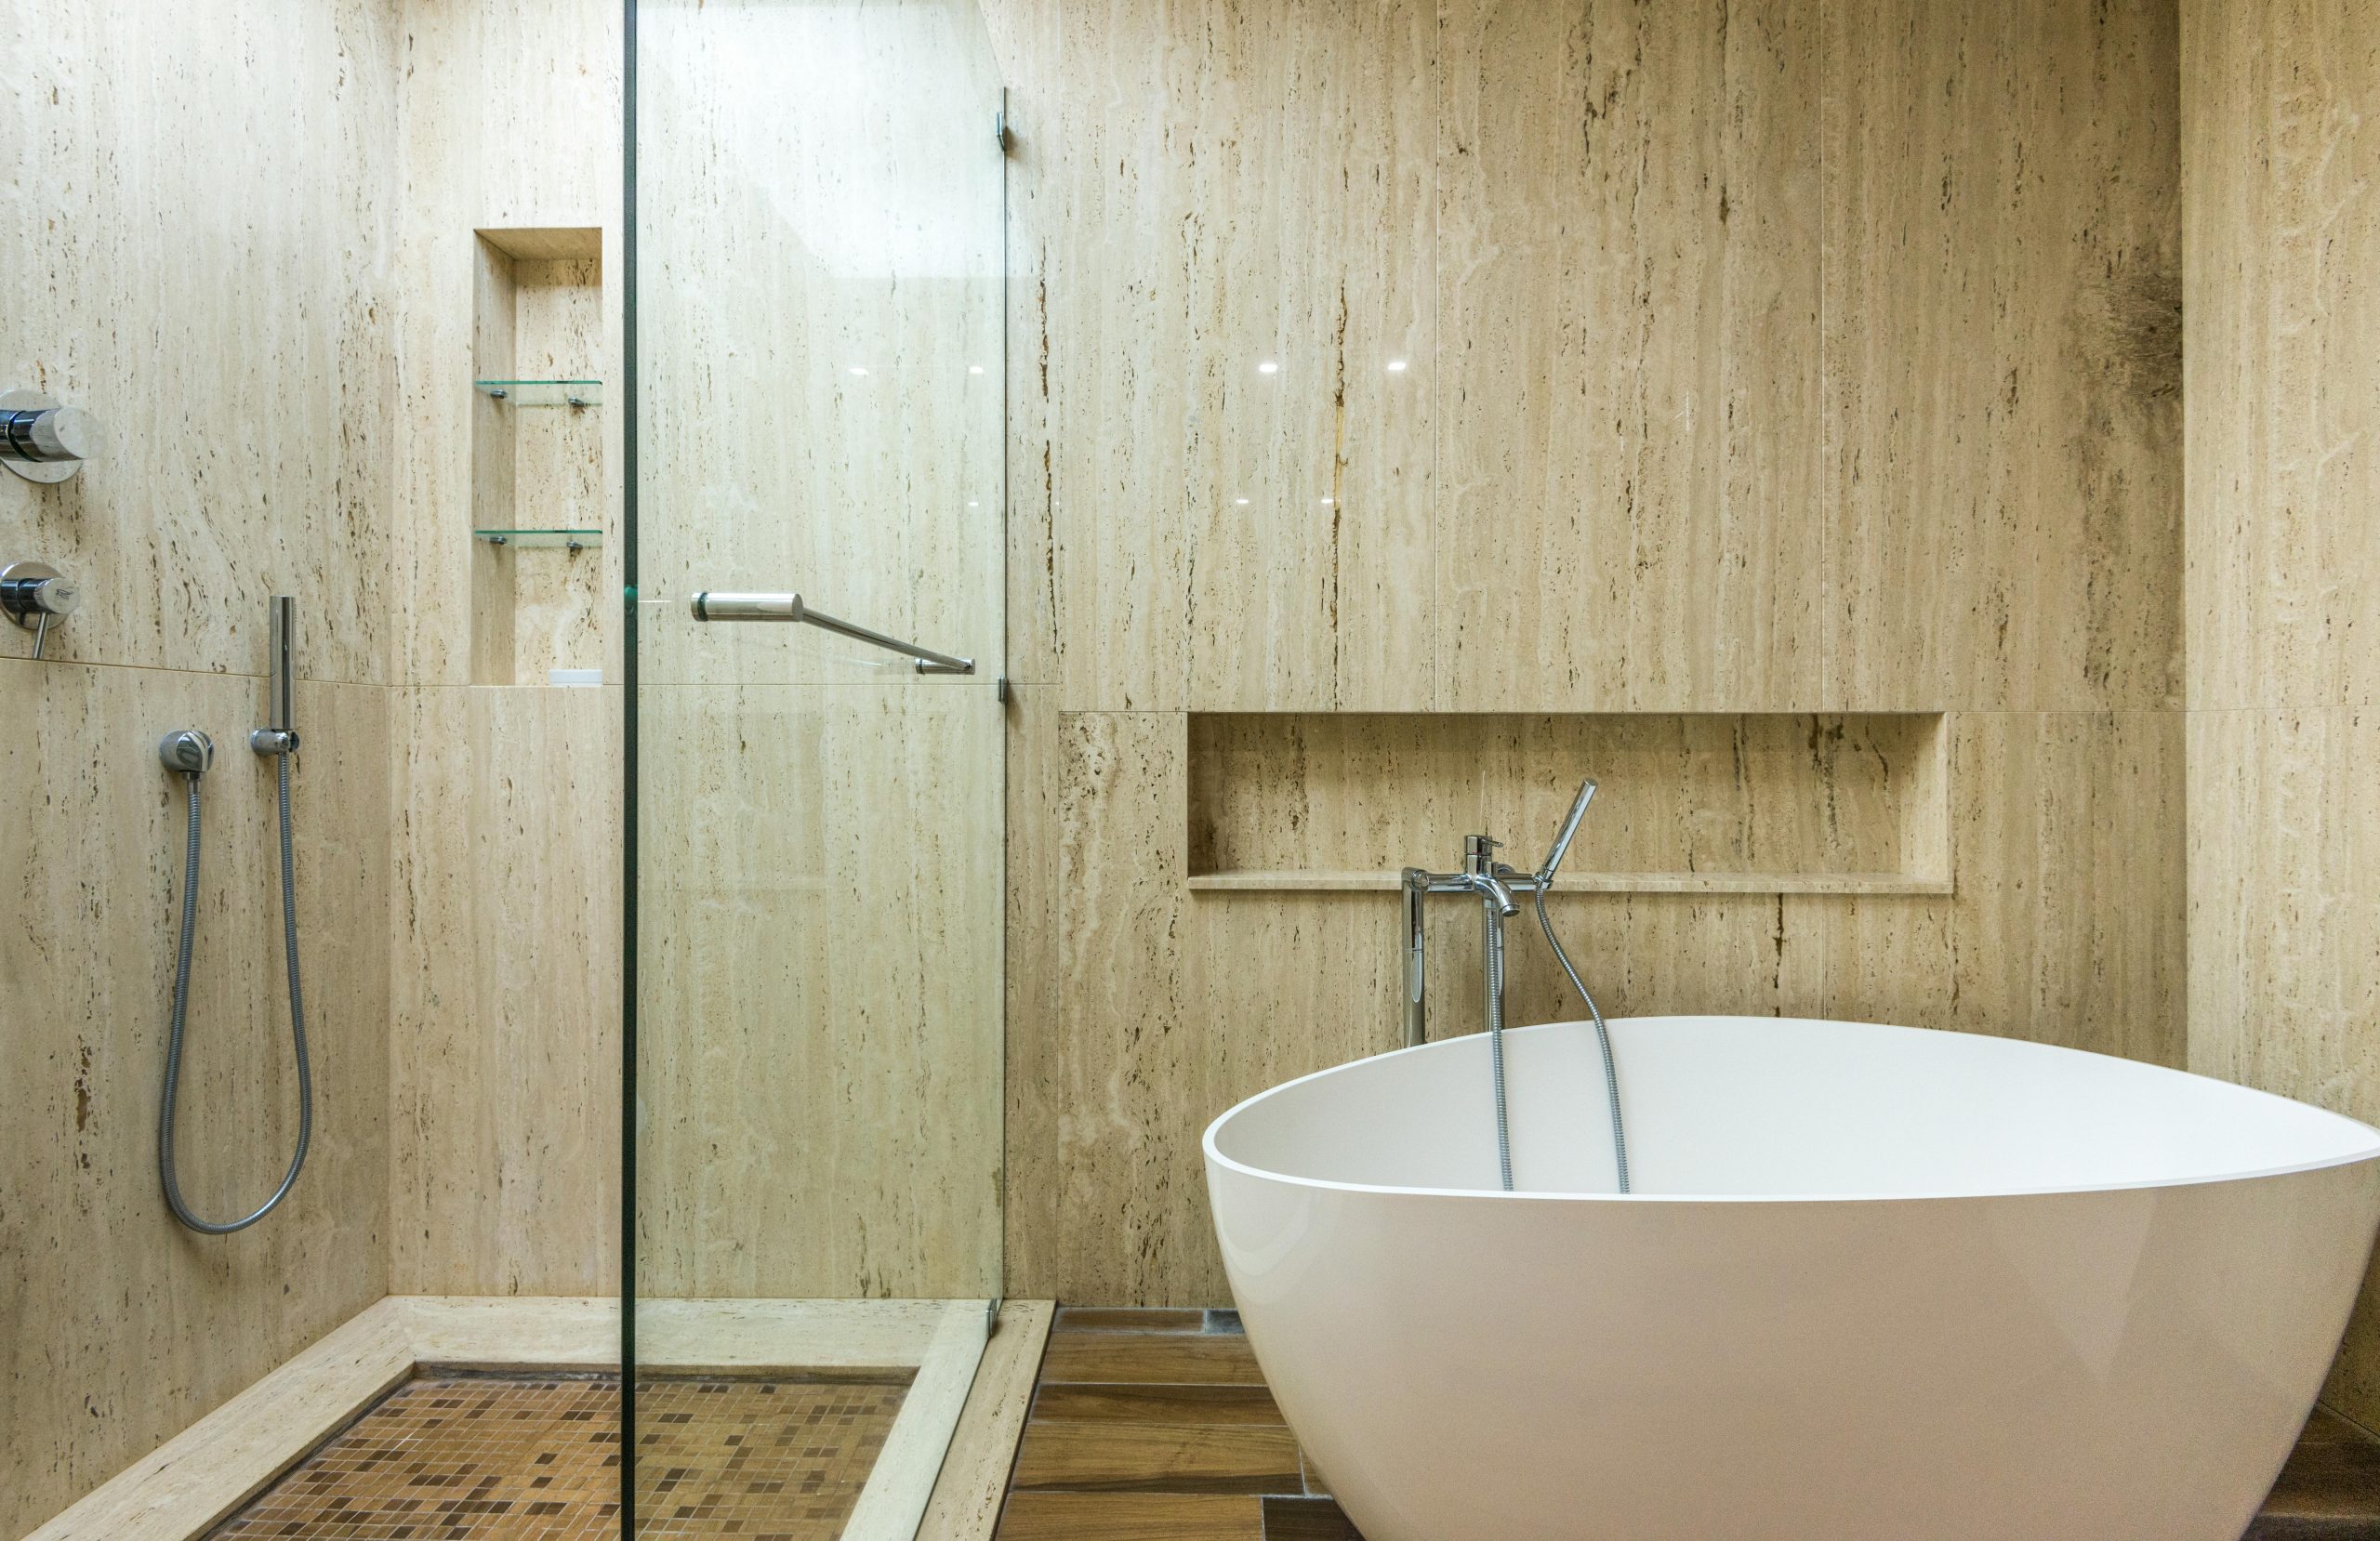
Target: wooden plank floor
{"points": [[1155, 1426], [2330, 1490]]}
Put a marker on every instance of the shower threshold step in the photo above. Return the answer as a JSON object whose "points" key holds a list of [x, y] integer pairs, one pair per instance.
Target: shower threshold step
{"points": [[209, 1471]]}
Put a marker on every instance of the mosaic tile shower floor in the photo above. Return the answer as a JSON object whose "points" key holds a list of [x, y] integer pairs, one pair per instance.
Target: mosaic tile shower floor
{"points": [[482, 1459]]}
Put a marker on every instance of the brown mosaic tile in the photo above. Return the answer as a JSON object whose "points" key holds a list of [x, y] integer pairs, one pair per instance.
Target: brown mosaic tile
{"points": [[477, 1458]]}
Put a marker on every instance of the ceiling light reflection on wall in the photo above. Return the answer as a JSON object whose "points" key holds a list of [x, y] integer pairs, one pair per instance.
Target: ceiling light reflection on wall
{"points": [[1268, 367], [1396, 367]]}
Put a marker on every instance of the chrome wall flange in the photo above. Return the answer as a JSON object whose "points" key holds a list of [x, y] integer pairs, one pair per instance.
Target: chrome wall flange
{"points": [[35, 594], [42, 439]]}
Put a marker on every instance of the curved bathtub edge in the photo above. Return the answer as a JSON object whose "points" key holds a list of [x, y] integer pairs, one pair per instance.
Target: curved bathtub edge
{"points": [[1213, 1152]]}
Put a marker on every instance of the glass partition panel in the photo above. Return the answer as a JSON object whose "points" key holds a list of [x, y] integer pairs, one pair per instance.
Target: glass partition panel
{"points": [[816, 569]]}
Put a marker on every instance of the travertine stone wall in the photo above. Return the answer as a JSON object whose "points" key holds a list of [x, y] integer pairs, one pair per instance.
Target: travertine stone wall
{"points": [[504, 1043], [1628, 359], [1820, 361], [1819, 357], [199, 239], [2282, 137]]}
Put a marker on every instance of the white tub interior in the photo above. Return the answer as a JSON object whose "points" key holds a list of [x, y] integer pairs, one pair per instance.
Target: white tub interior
{"points": [[1737, 1107]]}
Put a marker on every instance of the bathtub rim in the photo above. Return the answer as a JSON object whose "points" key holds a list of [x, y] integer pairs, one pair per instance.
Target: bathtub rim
{"points": [[2370, 1150]]}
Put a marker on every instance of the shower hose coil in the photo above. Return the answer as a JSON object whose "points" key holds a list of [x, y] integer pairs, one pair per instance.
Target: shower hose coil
{"points": [[180, 1019]]}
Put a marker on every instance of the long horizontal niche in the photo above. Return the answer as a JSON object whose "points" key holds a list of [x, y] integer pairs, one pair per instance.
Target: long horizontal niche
{"points": [[1718, 803]]}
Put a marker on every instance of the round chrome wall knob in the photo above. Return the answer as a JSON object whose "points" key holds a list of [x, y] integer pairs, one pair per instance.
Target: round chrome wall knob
{"points": [[41, 439], [33, 595], [55, 433], [31, 592]]}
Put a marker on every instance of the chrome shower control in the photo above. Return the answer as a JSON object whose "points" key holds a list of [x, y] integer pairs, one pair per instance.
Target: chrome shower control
{"points": [[30, 590], [43, 441], [34, 594]]}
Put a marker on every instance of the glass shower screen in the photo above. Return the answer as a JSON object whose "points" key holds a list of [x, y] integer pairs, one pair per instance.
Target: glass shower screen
{"points": [[815, 562]]}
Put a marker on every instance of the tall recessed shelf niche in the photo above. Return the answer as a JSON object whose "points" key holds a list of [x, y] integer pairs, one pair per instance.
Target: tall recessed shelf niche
{"points": [[1689, 803], [538, 497]]}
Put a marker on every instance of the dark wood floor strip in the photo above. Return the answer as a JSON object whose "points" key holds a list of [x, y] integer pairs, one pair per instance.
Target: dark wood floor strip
{"points": [[1131, 1517], [1157, 1426], [1154, 1403], [1158, 1457], [1183, 1360], [2330, 1490], [1130, 1319], [1306, 1520]]}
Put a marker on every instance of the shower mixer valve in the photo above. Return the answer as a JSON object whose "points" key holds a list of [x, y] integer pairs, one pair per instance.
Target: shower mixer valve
{"points": [[41, 439], [36, 596]]}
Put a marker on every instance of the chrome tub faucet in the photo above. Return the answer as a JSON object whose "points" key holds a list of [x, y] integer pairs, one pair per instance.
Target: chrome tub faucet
{"points": [[1494, 883]]}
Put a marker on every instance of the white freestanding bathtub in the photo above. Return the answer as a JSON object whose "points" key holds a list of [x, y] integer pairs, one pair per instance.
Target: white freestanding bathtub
{"points": [[1874, 1284]]}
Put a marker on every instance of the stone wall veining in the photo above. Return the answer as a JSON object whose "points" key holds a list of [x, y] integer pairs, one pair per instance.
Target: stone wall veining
{"points": [[1804, 357], [1784, 383], [1814, 359], [2282, 133], [503, 1042], [195, 222]]}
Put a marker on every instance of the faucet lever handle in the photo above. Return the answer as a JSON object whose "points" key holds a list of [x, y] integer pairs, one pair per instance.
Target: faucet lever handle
{"points": [[1570, 821]]}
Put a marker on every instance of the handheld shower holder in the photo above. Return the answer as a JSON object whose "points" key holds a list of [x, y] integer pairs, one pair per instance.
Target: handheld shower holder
{"points": [[279, 736]]}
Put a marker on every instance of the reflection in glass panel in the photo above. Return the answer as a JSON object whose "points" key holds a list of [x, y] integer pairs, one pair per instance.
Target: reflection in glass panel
{"points": [[817, 1031]]}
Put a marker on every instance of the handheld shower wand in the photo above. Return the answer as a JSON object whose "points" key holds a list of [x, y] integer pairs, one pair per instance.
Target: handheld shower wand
{"points": [[191, 754], [1570, 821]]}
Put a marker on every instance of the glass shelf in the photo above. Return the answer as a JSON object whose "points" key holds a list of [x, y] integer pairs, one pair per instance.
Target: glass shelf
{"points": [[544, 393], [576, 540]]}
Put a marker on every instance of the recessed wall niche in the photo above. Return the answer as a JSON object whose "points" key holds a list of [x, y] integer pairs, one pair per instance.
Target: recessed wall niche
{"points": [[1688, 803], [538, 487]]}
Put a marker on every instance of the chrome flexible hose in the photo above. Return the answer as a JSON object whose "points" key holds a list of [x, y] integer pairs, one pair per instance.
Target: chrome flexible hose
{"points": [[1603, 1041], [180, 1019]]}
